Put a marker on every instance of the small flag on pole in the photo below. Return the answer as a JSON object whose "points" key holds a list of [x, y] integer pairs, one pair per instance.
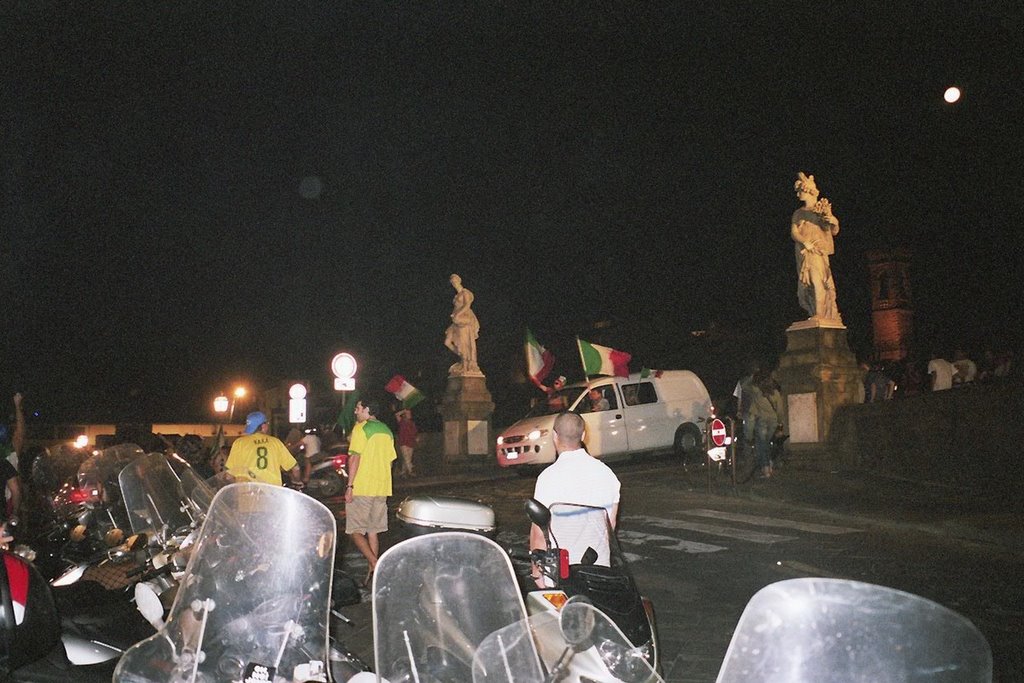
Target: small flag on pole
{"points": [[603, 360], [404, 392], [648, 372], [539, 360]]}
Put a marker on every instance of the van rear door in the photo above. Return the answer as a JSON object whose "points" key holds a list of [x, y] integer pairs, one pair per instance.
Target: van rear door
{"points": [[606, 429]]}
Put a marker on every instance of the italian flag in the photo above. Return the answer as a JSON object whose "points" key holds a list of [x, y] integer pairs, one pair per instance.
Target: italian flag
{"points": [[603, 360], [539, 360], [403, 391]]}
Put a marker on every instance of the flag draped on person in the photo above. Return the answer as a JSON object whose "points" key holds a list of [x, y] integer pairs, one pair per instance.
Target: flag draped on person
{"points": [[346, 414], [403, 391], [539, 361], [603, 360]]}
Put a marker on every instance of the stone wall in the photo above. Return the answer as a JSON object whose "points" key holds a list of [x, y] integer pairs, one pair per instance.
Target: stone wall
{"points": [[970, 435]]}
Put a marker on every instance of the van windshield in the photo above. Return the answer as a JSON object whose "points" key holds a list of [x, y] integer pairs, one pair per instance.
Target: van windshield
{"points": [[556, 402]]}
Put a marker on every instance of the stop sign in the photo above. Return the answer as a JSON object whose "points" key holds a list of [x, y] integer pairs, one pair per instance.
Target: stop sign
{"points": [[718, 432]]}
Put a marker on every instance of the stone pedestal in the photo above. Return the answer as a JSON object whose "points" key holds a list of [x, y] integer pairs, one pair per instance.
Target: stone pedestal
{"points": [[818, 373], [466, 410]]}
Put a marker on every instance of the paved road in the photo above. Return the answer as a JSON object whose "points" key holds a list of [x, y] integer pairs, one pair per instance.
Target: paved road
{"points": [[700, 556]]}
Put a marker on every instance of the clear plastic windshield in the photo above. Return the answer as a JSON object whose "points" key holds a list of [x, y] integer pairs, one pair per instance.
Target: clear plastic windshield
{"points": [[578, 643], [57, 466], [435, 599], [254, 601], [816, 629], [97, 476], [162, 499]]}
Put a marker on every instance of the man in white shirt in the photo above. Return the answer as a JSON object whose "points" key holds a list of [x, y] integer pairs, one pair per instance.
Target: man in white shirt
{"points": [[941, 372], [577, 478]]}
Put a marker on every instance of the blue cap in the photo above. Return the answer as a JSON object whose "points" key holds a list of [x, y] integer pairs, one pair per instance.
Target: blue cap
{"points": [[253, 421]]}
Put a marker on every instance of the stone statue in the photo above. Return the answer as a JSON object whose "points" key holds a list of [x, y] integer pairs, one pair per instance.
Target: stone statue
{"points": [[461, 335], [812, 228]]}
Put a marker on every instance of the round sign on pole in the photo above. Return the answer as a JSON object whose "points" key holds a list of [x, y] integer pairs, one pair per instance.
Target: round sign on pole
{"points": [[343, 365], [718, 433]]}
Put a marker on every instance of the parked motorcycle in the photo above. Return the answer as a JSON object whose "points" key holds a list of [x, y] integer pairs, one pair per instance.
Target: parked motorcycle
{"points": [[254, 601], [815, 629], [447, 608], [41, 642], [603, 577]]}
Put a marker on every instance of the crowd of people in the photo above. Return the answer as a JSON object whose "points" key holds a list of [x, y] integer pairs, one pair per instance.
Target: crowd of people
{"points": [[886, 380]]}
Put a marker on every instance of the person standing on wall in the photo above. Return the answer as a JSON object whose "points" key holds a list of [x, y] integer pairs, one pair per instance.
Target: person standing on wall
{"points": [[407, 435]]}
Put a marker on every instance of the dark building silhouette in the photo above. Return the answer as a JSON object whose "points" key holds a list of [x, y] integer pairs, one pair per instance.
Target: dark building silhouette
{"points": [[892, 315]]}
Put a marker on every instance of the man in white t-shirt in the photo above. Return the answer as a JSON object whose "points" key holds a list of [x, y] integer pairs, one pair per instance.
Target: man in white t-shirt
{"points": [[578, 478], [941, 372]]}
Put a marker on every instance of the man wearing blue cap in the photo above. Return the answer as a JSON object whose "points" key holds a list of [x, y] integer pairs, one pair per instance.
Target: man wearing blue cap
{"points": [[259, 456]]}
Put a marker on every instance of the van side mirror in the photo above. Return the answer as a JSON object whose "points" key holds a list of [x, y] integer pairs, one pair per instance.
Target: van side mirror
{"points": [[538, 514]]}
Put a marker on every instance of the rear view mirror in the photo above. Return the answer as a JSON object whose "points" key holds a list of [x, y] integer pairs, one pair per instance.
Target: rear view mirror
{"points": [[538, 513]]}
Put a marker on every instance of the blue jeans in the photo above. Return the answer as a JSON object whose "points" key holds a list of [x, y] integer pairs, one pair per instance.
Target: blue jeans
{"points": [[763, 431]]}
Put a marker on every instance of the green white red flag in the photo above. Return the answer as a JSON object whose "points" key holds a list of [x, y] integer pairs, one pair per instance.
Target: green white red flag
{"points": [[403, 391], [603, 360], [539, 361]]}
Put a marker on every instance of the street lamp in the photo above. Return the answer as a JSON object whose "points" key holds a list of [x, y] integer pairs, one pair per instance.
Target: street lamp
{"points": [[239, 394], [221, 404]]}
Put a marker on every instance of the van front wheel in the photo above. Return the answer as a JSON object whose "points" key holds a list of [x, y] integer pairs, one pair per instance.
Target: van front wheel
{"points": [[687, 443]]}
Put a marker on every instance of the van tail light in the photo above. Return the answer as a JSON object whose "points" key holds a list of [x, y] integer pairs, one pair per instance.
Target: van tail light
{"points": [[563, 563]]}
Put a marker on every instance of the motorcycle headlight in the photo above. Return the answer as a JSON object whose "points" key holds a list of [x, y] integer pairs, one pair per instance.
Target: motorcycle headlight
{"points": [[627, 664]]}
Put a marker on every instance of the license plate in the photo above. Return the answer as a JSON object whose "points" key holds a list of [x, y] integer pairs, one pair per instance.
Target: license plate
{"points": [[717, 454], [511, 456]]}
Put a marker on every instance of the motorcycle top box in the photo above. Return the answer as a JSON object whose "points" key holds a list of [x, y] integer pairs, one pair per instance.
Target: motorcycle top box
{"points": [[420, 515]]}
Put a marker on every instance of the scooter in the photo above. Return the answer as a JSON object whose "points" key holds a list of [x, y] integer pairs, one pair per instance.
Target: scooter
{"points": [[34, 645], [816, 629], [603, 577], [254, 602], [447, 609]]}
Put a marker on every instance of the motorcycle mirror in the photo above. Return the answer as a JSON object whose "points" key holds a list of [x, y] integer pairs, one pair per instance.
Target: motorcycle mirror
{"points": [[589, 557], [70, 576], [136, 542], [577, 622], [149, 605], [113, 537], [538, 513]]}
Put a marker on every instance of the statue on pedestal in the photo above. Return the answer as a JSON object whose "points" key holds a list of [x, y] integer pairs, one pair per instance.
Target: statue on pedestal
{"points": [[813, 226], [462, 333]]}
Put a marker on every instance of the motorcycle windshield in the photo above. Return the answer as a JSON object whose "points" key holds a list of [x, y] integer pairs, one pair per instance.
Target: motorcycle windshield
{"points": [[57, 466], [580, 638], [98, 477], [435, 599], [160, 497], [816, 629], [254, 601]]}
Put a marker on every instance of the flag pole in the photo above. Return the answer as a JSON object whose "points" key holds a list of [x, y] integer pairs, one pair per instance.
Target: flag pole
{"points": [[583, 363]]}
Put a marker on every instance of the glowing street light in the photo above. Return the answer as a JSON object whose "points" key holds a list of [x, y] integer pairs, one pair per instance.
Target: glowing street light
{"points": [[952, 94], [222, 404]]}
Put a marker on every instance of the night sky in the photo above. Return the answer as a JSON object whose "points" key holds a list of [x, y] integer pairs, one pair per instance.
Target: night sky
{"points": [[195, 194]]}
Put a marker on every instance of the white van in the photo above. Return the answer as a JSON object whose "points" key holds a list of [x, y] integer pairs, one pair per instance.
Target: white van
{"points": [[645, 414]]}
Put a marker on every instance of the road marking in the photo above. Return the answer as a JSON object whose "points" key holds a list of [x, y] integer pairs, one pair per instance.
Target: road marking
{"points": [[773, 522], [666, 542], [712, 529]]}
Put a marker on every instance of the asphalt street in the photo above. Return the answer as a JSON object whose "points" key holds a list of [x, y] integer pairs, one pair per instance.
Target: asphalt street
{"points": [[700, 547]]}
